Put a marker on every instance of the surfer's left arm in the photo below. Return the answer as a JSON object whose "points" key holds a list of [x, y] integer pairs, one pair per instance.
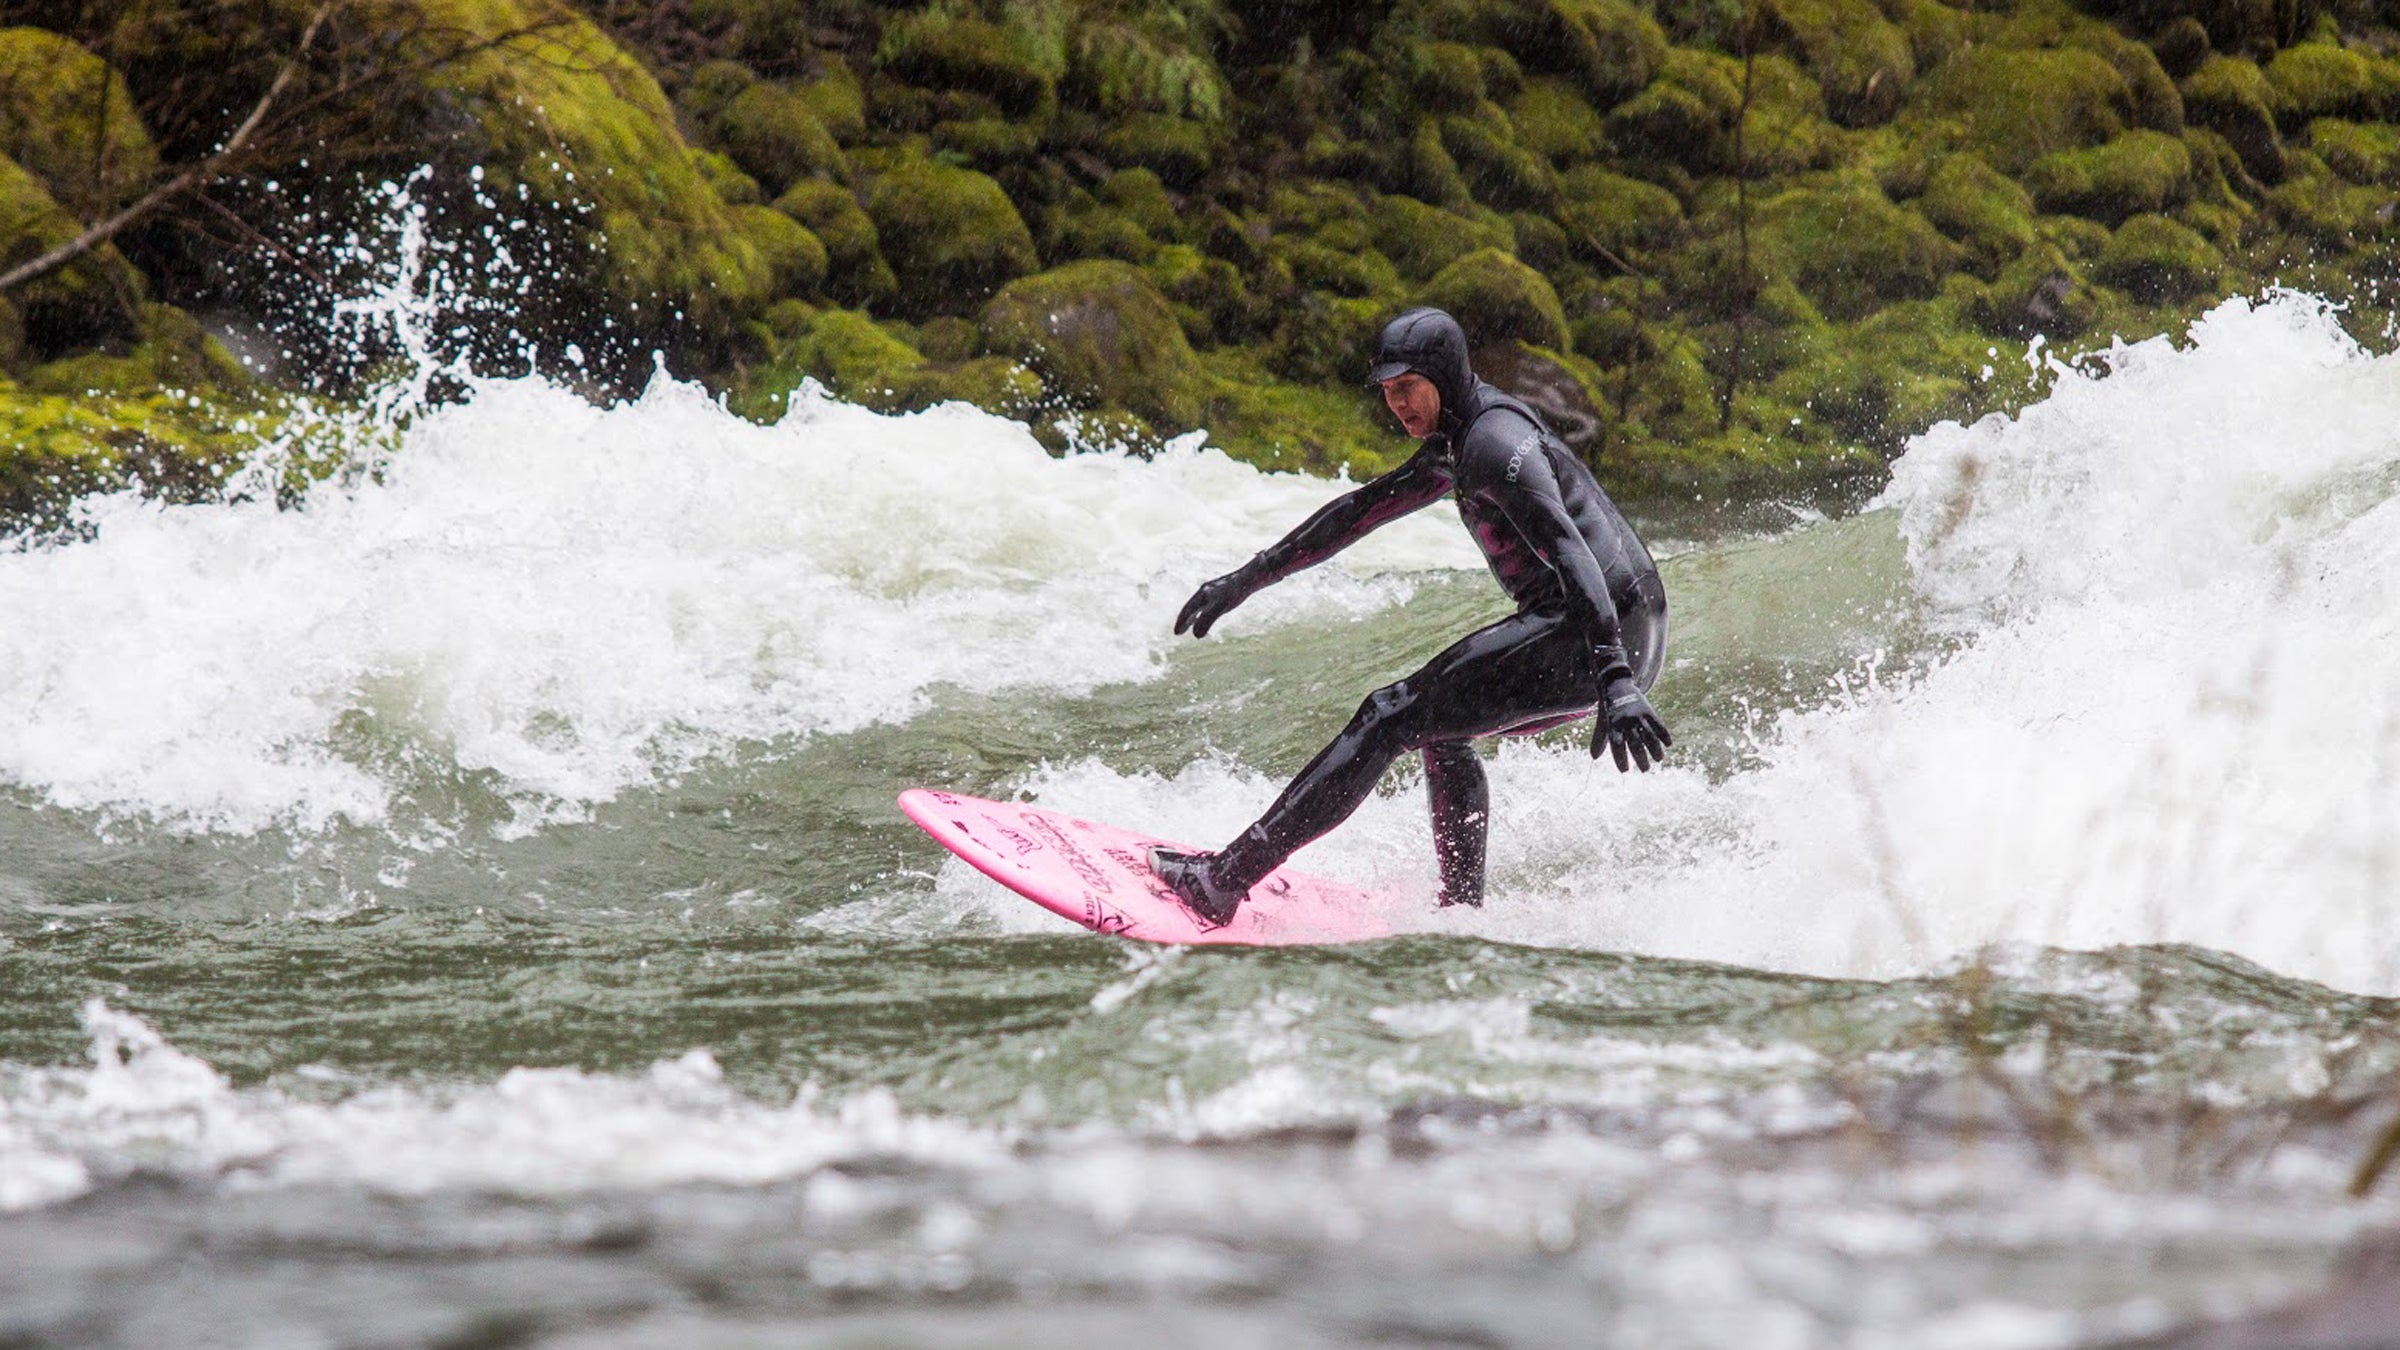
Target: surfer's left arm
{"points": [[1512, 470], [1333, 527]]}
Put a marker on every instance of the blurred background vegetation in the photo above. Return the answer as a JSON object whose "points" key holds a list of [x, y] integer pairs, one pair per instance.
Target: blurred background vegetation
{"points": [[1725, 244]]}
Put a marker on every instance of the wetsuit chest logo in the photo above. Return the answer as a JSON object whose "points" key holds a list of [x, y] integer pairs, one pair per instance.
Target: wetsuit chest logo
{"points": [[1516, 458]]}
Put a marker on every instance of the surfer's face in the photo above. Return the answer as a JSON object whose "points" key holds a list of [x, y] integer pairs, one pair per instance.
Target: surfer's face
{"points": [[1413, 399]]}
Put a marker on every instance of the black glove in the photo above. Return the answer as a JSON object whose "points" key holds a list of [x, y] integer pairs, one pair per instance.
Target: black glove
{"points": [[1215, 599], [1627, 723]]}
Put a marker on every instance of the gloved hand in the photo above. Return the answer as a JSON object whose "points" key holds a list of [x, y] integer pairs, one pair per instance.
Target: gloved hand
{"points": [[1215, 599], [1627, 723]]}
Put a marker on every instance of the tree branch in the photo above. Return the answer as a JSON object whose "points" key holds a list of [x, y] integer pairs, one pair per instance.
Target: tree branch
{"points": [[198, 175]]}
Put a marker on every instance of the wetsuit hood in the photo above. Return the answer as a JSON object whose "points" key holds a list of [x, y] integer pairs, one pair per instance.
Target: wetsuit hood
{"points": [[1430, 343]]}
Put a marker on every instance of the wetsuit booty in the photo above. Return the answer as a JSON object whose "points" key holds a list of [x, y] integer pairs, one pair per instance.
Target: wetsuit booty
{"points": [[1188, 876]]}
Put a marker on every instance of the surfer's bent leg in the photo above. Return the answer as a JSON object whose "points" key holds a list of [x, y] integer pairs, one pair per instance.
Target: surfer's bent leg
{"points": [[1462, 818], [1527, 667]]}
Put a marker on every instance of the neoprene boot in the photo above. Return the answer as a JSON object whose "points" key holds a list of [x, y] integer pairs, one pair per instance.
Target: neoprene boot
{"points": [[1213, 885]]}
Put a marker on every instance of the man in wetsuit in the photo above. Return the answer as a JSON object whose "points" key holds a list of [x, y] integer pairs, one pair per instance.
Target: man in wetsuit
{"points": [[1589, 633]]}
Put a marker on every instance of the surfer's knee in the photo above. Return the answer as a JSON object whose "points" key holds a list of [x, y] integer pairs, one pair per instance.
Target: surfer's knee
{"points": [[1385, 713]]}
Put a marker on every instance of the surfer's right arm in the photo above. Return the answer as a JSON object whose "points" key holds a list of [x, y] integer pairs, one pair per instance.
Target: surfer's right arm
{"points": [[1336, 526]]}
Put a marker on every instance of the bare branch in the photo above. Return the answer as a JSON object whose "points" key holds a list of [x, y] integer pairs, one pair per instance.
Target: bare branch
{"points": [[206, 171]]}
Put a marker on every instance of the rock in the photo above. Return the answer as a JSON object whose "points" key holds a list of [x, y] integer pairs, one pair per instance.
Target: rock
{"points": [[951, 235], [1100, 333], [66, 118], [2159, 261], [1494, 296], [1563, 396]]}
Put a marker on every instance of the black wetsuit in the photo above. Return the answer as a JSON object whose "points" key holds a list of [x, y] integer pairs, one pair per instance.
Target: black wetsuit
{"points": [[1591, 612]]}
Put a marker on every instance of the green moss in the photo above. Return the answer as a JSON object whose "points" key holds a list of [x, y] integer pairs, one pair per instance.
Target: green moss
{"points": [[2139, 173], [1353, 273], [2229, 96], [1495, 296], [795, 259], [1101, 334], [2159, 261], [1971, 202], [1609, 214], [1684, 115], [726, 179], [1278, 424], [1498, 171], [988, 142], [68, 119], [2337, 216], [1179, 150], [1141, 197], [2042, 291], [838, 103], [1422, 240], [91, 300], [1146, 59], [1850, 249], [992, 383], [2365, 154], [951, 235], [1445, 75], [570, 116], [1905, 368], [1862, 60], [1555, 119], [942, 49], [2156, 105], [1207, 293], [855, 272], [2325, 79], [1086, 229], [1433, 175], [2017, 106], [771, 133], [843, 350]]}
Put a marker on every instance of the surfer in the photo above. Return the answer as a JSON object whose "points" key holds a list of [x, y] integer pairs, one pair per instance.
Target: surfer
{"points": [[1589, 632]]}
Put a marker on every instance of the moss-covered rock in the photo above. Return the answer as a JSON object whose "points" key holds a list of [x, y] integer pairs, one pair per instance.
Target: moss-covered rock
{"points": [[1850, 248], [1972, 203], [855, 272], [1281, 425], [2230, 96], [951, 235], [1495, 296], [2361, 153], [1499, 172], [1099, 333], [2156, 105], [1178, 149], [1683, 117], [67, 119], [2181, 46], [1613, 217], [2042, 291], [1861, 59], [940, 48], [1421, 240], [2335, 215], [772, 134], [2159, 261], [1556, 119], [838, 102], [1610, 47], [2326, 79], [1433, 175], [2018, 105], [92, 300], [2139, 173]]}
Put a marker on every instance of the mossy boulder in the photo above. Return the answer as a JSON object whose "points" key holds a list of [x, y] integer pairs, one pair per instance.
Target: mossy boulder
{"points": [[2043, 291], [170, 354], [92, 300], [1179, 150], [2326, 79], [2337, 216], [944, 49], [1684, 116], [1421, 240], [1610, 47], [2018, 105], [1850, 249], [844, 350], [951, 235], [1611, 217], [1556, 119], [838, 102], [1433, 175], [2361, 153], [67, 119], [2159, 261], [2230, 96], [2155, 103], [1564, 388], [1498, 171], [1101, 334], [1495, 296], [855, 272], [770, 132], [1861, 59], [2139, 173], [1971, 202]]}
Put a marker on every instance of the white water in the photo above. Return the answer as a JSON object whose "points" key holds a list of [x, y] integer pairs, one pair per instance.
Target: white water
{"points": [[2173, 716]]}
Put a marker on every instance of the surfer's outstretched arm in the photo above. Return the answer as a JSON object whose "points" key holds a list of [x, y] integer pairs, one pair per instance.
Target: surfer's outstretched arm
{"points": [[1335, 526]]}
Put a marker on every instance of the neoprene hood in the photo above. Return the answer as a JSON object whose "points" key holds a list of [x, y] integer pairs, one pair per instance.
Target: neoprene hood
{"points": [[1430, 343]]}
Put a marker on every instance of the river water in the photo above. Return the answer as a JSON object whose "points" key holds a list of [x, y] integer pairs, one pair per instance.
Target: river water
{"points": [[467, 906]]}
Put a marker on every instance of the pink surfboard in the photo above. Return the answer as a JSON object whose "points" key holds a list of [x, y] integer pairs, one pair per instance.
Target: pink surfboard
{"points": [[1099, 876]]}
